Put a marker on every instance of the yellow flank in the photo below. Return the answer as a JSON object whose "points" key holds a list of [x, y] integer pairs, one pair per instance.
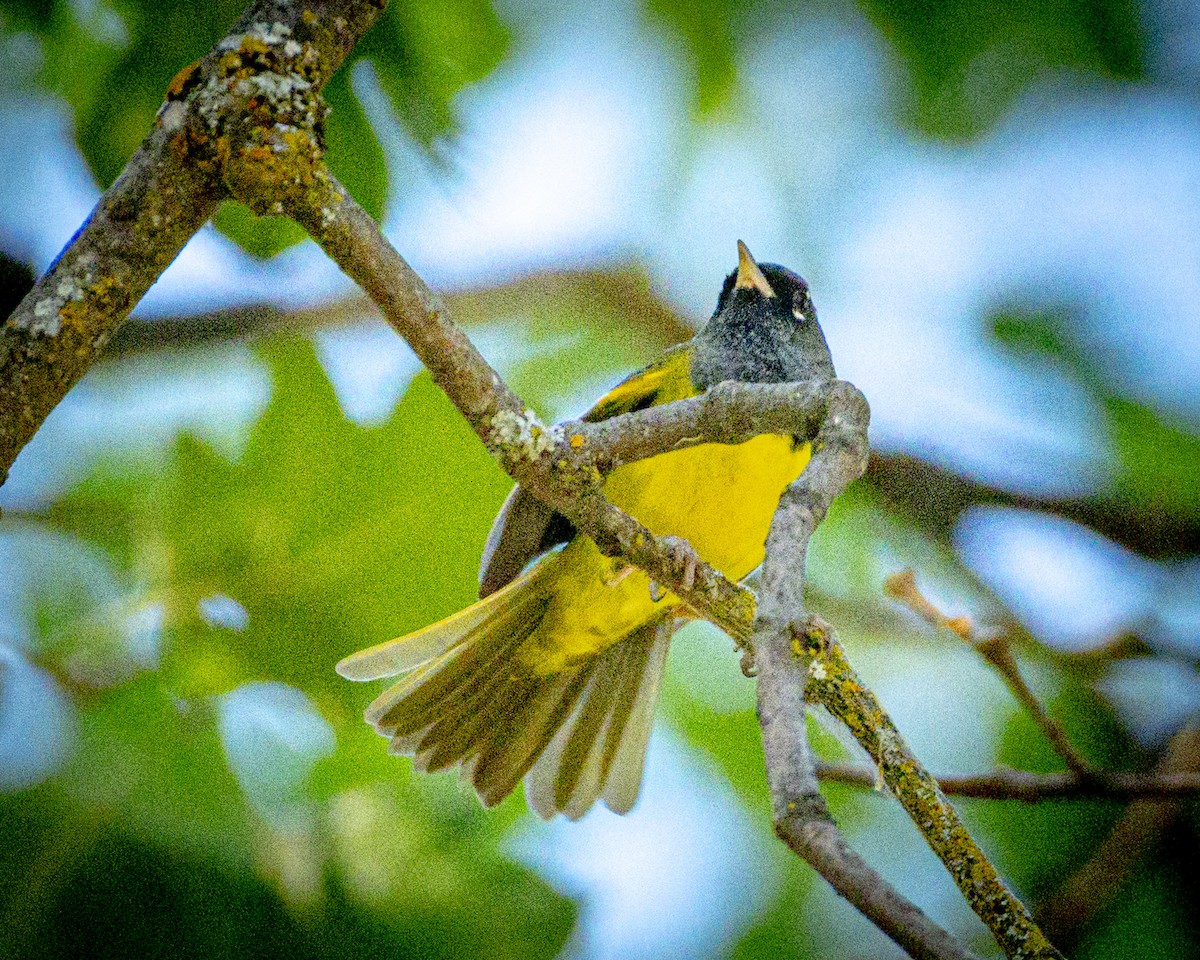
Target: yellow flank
{"points": [[718, 497]]}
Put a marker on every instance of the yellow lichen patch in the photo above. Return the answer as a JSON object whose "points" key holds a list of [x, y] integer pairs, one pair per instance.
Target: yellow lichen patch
{"points": [[73, 315], [577, 441], [252, 44], [181, 80]]}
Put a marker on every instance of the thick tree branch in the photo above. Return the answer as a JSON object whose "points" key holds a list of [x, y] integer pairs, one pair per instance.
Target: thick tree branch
{"points": [[169, 188], [1026, 787], [833, 683]]}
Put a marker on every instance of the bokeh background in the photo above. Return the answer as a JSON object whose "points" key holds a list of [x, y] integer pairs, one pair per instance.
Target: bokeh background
{"points": [[997, 206]]}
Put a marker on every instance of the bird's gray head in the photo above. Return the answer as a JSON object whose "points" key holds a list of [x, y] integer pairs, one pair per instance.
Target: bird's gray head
{"points": [[764, 330]]}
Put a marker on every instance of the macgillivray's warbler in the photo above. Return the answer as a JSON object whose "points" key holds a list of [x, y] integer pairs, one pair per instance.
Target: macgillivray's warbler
{"points": [[553, 674]]}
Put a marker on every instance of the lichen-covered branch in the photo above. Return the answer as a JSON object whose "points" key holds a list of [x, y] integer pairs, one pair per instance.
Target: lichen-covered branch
{"points": [[564, 466], [802, 820], [1026, 787], [833, 683], [549, 460], [799, 661], [166, 192]]}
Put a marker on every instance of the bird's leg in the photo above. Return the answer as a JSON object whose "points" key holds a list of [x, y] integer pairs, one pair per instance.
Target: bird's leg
{"points": [[619, 573]]}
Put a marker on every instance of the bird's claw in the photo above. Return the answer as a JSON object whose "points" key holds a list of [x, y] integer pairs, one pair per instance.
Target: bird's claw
{"points": [[749, 667], [681, 552]]}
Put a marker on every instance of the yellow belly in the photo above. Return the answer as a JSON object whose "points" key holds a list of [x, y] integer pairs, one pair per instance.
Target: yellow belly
{"points": [[719, 498]]}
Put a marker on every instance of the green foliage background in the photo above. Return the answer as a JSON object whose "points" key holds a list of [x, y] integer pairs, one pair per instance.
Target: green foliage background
{"points": [[149, 842]]}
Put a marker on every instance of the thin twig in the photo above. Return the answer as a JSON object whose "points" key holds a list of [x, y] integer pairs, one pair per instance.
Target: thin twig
{"points": [[1091, 888], [998, 653], [1026, 787]]}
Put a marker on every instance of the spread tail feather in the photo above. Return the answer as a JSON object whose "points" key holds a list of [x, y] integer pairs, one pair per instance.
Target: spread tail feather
{"points": [[405, 653], [468, 699]]}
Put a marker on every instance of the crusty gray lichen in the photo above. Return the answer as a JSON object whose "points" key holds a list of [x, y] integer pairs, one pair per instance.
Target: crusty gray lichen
{"points": [[46, 317], [523, 434]]}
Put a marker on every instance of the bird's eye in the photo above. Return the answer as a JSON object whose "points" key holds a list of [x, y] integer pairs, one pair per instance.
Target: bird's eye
{"points": [[801, 306]]}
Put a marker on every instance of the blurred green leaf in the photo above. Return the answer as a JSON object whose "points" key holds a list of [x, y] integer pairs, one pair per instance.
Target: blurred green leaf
{"points": [[424, 53], [1152, 916], [1038, 845], [352, 149], [1156, 457], [969, 59], [153, 763], [121, 897], [261, 236], [332, 537], [1159, 462], [69, 605], [706, 30]]}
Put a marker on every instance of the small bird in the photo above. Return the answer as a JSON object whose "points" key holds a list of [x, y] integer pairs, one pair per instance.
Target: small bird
{"points": [[553, 675]]}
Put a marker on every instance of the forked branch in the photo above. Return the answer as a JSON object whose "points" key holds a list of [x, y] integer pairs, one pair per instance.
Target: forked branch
{"points": [[245, 123]]}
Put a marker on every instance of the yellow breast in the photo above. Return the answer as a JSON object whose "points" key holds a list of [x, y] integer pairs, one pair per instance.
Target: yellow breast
{"points": [[719, 498]]}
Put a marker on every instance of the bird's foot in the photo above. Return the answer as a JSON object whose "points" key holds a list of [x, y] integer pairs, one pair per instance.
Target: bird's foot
{"points": [[749, 667], [682, 553]]}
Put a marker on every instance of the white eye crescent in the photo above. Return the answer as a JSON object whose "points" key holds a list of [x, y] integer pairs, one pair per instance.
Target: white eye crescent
{"points": [[800, 306]]}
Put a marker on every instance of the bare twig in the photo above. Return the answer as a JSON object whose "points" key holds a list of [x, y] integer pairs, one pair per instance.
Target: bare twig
{"points": [[1091, 888], [1026, 787], [622, 293], [169, 188], [998, 653]]}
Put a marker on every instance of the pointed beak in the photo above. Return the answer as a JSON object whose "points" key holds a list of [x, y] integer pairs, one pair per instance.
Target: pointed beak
{"points": [[749, 277]]}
